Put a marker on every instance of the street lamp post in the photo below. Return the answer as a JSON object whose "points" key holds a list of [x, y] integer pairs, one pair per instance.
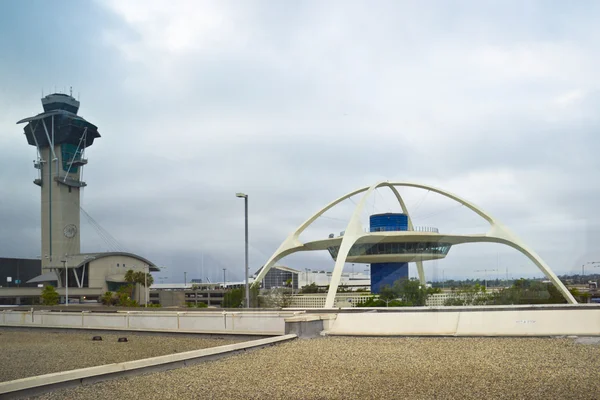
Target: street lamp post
{"points": [[66, 281], [443, 280], [224, 281], [245, 197], [146, 272], [583, 269]]}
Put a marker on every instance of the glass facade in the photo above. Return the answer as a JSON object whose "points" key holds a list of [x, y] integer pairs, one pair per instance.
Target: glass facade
{"points": [[69, 153], [363, 249], [277, 278], [385, 274], [388, 222]]}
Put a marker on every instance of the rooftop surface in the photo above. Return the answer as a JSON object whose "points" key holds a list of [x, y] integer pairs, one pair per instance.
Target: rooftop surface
{"points": [[26, 353], [369, 368]]}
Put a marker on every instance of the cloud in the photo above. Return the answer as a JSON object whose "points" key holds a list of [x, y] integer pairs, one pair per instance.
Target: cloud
{"points": [[297, 104]]}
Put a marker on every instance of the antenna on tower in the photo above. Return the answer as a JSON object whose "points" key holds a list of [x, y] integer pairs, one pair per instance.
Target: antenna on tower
{"points": [[71, 91]]}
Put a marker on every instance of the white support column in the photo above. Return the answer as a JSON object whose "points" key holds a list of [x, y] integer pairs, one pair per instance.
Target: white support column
{"points": [[292, 243], [510, 240], [76, 278], [411, 227], [284, 250], [500, 234], [353, 232], [345, 247]]}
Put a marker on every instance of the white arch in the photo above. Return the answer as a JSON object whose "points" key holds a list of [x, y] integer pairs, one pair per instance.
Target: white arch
{"points": [[411, 227], [292, 243], [497, 233]]}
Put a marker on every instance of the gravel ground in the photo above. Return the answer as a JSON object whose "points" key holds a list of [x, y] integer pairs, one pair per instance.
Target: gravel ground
{"points": [[26, 353], [375, 368]]}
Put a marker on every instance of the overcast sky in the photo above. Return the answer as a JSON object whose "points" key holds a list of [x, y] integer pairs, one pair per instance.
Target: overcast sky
{"points": [[298, 103]]}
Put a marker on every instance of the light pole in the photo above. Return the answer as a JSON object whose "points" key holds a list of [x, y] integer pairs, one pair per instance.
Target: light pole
{"points": [[306, 275], [146, 272], [245, 197], [184, 279], [66, 281], [583, 269], [443, 280], [224, 280]]}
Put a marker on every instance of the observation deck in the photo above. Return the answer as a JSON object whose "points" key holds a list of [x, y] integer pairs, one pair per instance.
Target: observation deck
{"points": [[418, 244], [67, 180], [59, 123]]}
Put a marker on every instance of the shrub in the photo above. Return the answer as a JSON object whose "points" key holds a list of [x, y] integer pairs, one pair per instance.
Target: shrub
{"points": [[50, 296], [107, 299]]}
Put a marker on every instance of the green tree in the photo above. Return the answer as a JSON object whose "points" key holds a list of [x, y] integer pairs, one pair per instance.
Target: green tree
{"points": [[50, 296], [279, 297], [234, 298], [343, 289], [123, 297], [387, 294], [411, 291], [129, 276], [137, 277], [371, 302], [143, 278], [404, 293], [312, 288], [468, 295], [107, 298]]}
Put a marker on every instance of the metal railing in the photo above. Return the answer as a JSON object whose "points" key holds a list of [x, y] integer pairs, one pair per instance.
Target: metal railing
{"points": [[416, 229], [426, 229]]}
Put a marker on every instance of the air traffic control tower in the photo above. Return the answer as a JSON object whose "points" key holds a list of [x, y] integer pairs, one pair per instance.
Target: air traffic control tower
{"points": [[60, 137]]}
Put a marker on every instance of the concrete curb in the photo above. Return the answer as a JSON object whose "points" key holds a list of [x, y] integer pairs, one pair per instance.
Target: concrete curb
{"points": [[308, 326], [36, 385], [142, 330]]}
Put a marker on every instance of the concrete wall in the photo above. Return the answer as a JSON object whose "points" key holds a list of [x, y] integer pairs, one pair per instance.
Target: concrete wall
{"points": [[317, 300], [65, 210], [260, 323], [112, 265], [543, 321], [171, 298]]}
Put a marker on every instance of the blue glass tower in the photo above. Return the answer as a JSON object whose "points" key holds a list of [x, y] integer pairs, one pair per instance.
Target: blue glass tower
{"points": [[383, 274]]}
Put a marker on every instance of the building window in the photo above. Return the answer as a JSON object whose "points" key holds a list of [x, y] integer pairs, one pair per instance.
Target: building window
{"points": [[117, 265], [123, 265]]}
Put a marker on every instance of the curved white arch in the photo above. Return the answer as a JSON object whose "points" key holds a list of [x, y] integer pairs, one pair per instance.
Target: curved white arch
{"points": [[497, 233], [411, 227], [292, 243]]}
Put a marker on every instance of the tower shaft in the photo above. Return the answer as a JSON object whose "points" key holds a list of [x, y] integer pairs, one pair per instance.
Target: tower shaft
{"points": [[60, 207]]}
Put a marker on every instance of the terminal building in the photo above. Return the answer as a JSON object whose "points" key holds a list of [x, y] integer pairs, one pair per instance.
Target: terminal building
{"points": [[61, 137]]}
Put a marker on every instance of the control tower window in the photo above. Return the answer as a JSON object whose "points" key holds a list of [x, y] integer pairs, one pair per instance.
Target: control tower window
{"points": [[70, 154]]}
